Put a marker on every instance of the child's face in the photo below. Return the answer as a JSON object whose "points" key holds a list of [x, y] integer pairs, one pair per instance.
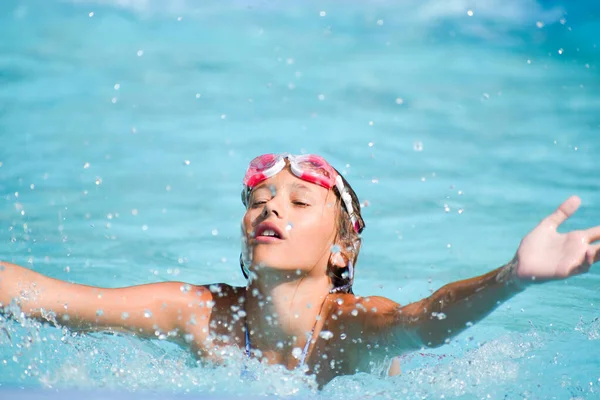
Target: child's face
{"points": [[302, 214]]}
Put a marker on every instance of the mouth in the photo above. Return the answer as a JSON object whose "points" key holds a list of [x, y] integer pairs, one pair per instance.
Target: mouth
{"points": [[267, 233]]}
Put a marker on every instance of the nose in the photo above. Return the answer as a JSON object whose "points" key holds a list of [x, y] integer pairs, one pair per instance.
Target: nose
{"points": [[271, 207]]}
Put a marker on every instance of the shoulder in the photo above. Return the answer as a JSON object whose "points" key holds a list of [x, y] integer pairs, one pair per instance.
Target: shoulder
{"points": [[199, 295], [181, 299], [349, 303], [372, 312], [194, 306]]}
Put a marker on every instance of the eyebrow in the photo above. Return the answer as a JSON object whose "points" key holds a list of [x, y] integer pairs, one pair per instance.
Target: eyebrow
{"points": [[298, 185], [295, 186]]}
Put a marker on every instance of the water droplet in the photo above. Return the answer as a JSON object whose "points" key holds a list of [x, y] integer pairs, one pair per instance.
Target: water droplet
{"points": [[326, 335], [446, 208], [354, 312], [144, 227], [289, 226], [91, 14], [371, 144], [379, 22], [86, 165], [297, 352], [539, 24], [188, 337], [117, 86], [140, 53], [343, 336], [99, 313], [125, 315], [214, 232], [321, 97], [418, 146], [147, 314], [439, 316], [134, 211], [185, 288], [322, 13], [470, 13], [98, 180], [560, 51]]}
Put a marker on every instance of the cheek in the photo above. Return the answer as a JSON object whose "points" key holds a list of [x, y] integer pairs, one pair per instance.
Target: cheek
{"points": [[316, 229], [247, 221]]}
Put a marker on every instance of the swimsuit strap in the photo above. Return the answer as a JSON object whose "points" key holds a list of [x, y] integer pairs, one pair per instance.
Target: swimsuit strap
{"points": [[247, 339], [307, 345]]}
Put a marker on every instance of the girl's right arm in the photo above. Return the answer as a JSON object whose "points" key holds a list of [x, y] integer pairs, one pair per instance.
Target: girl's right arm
{"points": [[147, 310]]}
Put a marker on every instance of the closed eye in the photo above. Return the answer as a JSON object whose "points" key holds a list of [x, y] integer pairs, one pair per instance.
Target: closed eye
{"points": [[258, 203]]}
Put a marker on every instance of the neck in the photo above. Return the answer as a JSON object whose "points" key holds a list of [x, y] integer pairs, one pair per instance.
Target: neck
{"points": [[282, 311]]}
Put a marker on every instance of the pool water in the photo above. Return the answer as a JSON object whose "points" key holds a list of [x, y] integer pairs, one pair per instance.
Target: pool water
{"points": [[126, 127]]}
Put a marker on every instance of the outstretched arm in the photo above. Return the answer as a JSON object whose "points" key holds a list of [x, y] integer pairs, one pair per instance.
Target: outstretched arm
{"points": [[543, 255], [456, 306], [146, 310]]}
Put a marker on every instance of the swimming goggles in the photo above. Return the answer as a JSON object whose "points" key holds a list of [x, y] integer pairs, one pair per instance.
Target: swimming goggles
{"points": [[308, 167]]}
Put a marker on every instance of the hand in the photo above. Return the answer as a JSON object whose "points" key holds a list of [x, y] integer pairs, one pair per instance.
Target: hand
{"points": [[545, 254]]}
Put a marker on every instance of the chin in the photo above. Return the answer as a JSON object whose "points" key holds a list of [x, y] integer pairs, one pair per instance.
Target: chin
{"points": [[272, 263]]}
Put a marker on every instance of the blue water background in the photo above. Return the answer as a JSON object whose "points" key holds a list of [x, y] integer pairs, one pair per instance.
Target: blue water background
{"points": [[126, 126]]}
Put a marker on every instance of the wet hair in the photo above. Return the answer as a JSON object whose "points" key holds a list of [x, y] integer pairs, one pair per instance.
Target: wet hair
{"points": [[349, 241], [347, 237]]}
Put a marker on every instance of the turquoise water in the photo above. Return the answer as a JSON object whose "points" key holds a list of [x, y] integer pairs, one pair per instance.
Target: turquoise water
{"points": [[126, 126]]}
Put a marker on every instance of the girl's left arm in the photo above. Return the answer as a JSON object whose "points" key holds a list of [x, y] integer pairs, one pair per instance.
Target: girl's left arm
{"points": [[543, 255]]}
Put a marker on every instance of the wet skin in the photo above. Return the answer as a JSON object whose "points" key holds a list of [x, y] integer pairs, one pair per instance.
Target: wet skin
{"points": [[289, 292]]}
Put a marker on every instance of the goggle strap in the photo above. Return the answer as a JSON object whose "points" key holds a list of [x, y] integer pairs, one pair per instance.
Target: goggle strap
{"points": [[347, 199]]}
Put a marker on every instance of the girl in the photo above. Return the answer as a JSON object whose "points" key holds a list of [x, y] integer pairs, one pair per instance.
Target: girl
{"points": [[301, 239]]}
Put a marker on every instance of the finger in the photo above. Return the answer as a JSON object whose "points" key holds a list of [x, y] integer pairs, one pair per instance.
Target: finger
{"points": [[582, 269], [593, 234], [565, 210], [593, 254]]}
